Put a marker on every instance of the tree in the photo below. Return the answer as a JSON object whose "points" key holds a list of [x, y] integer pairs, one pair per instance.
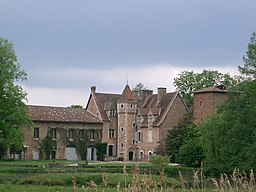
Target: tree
{"points": [[140, 86], [13, 110], [229, 135], [176, 137], [191, 151], [189, 81], [249, 68]]}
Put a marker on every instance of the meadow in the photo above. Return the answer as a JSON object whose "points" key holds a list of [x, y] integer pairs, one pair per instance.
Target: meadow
{"points": [[76, 176]]}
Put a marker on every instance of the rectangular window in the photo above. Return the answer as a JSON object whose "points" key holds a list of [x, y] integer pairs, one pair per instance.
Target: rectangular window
{"points": [[36, 133], [71, 133], [81, 134], [54, 133], [91, 134], [111, 133]]}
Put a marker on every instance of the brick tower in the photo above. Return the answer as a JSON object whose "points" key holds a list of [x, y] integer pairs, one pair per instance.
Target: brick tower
{"points": [[126, 109]]}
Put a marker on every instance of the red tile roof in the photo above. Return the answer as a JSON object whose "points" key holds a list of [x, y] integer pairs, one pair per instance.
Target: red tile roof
{"points": [[61, 114]]}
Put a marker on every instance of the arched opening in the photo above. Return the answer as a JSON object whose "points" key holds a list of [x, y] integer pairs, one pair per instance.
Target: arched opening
{"points": [[131, 156], [141, 155], [150, 153]]}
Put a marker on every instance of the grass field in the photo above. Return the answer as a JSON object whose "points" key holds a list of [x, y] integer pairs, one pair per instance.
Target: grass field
{"points": [[76, 176]]}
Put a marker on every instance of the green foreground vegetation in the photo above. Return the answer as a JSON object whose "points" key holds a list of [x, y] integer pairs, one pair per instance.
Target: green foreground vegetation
{"points": [[63, 176]]}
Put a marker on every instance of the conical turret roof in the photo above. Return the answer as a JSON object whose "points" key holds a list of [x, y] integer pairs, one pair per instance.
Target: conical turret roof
{"points": [[127, 95]]}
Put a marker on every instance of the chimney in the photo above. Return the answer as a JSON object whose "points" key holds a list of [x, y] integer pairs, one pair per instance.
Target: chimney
{"points": [[93, 90], [161, 91]]}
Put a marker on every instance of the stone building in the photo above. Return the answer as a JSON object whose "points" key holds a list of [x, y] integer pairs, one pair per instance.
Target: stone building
{"points": [[135, 124], [206, 101], [73, 133]]}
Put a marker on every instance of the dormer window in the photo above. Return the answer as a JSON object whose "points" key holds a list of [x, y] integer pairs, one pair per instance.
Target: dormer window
{"points": [[112, 113]]}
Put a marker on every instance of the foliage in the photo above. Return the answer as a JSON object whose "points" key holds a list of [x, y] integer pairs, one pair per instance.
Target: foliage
{"points": [[76, 106], [48, 145], [176, 137], [229, 135], [160, 160], [191, 152], [249, 68], [13, 111], [101, 151], [139, 87], [189, 81]]}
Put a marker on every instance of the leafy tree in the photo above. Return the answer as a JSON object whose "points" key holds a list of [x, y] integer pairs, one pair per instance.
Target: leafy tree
{"points": [[189, 81], [191, 151], [249, 68], [229, 135], [176, 137], [13, 110], [140, 86]]}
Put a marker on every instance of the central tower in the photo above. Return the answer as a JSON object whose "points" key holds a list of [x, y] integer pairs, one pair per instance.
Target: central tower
{"points": [[126, 110]]}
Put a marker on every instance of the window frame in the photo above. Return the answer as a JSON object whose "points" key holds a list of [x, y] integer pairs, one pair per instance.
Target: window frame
{"points": [[36, 133], [111, 133]]}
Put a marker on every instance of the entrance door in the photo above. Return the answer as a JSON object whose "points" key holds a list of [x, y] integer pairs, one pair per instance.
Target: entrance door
{"points": [[71, 153], [131, 156], [91, 154]]}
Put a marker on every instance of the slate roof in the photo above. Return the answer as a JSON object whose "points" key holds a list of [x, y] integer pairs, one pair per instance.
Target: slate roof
{"points": [[61, 114]]}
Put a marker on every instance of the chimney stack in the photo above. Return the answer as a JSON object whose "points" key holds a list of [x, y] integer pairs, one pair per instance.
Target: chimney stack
{"points": [[161, 91], [93, 90]]}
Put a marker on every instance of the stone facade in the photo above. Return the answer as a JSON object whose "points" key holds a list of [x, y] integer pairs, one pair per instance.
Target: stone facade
{"points": [[74, 133], [207, 100], [135, 124]]}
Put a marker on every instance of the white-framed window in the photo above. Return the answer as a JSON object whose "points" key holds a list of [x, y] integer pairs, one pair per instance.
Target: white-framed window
{"points": [[92, 134], [111, 133], [54, 133], [121, 145], [139, 136], [71, 133], [81, 134], [112, 113], [122, 129], [36, 133]]}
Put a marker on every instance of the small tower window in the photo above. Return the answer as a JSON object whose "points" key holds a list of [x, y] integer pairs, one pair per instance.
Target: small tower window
{"points": [[131, 106], [122, 106]]}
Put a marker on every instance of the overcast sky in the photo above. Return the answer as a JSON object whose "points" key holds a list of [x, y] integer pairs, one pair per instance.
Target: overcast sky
{"points": [[67, 46]]}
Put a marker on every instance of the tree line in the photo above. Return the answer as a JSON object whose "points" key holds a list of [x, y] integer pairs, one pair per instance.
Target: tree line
{"points": [[226, 139]]}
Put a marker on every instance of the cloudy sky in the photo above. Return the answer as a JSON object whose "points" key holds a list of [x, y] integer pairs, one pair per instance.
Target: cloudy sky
{"points": [[67, 46]]}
